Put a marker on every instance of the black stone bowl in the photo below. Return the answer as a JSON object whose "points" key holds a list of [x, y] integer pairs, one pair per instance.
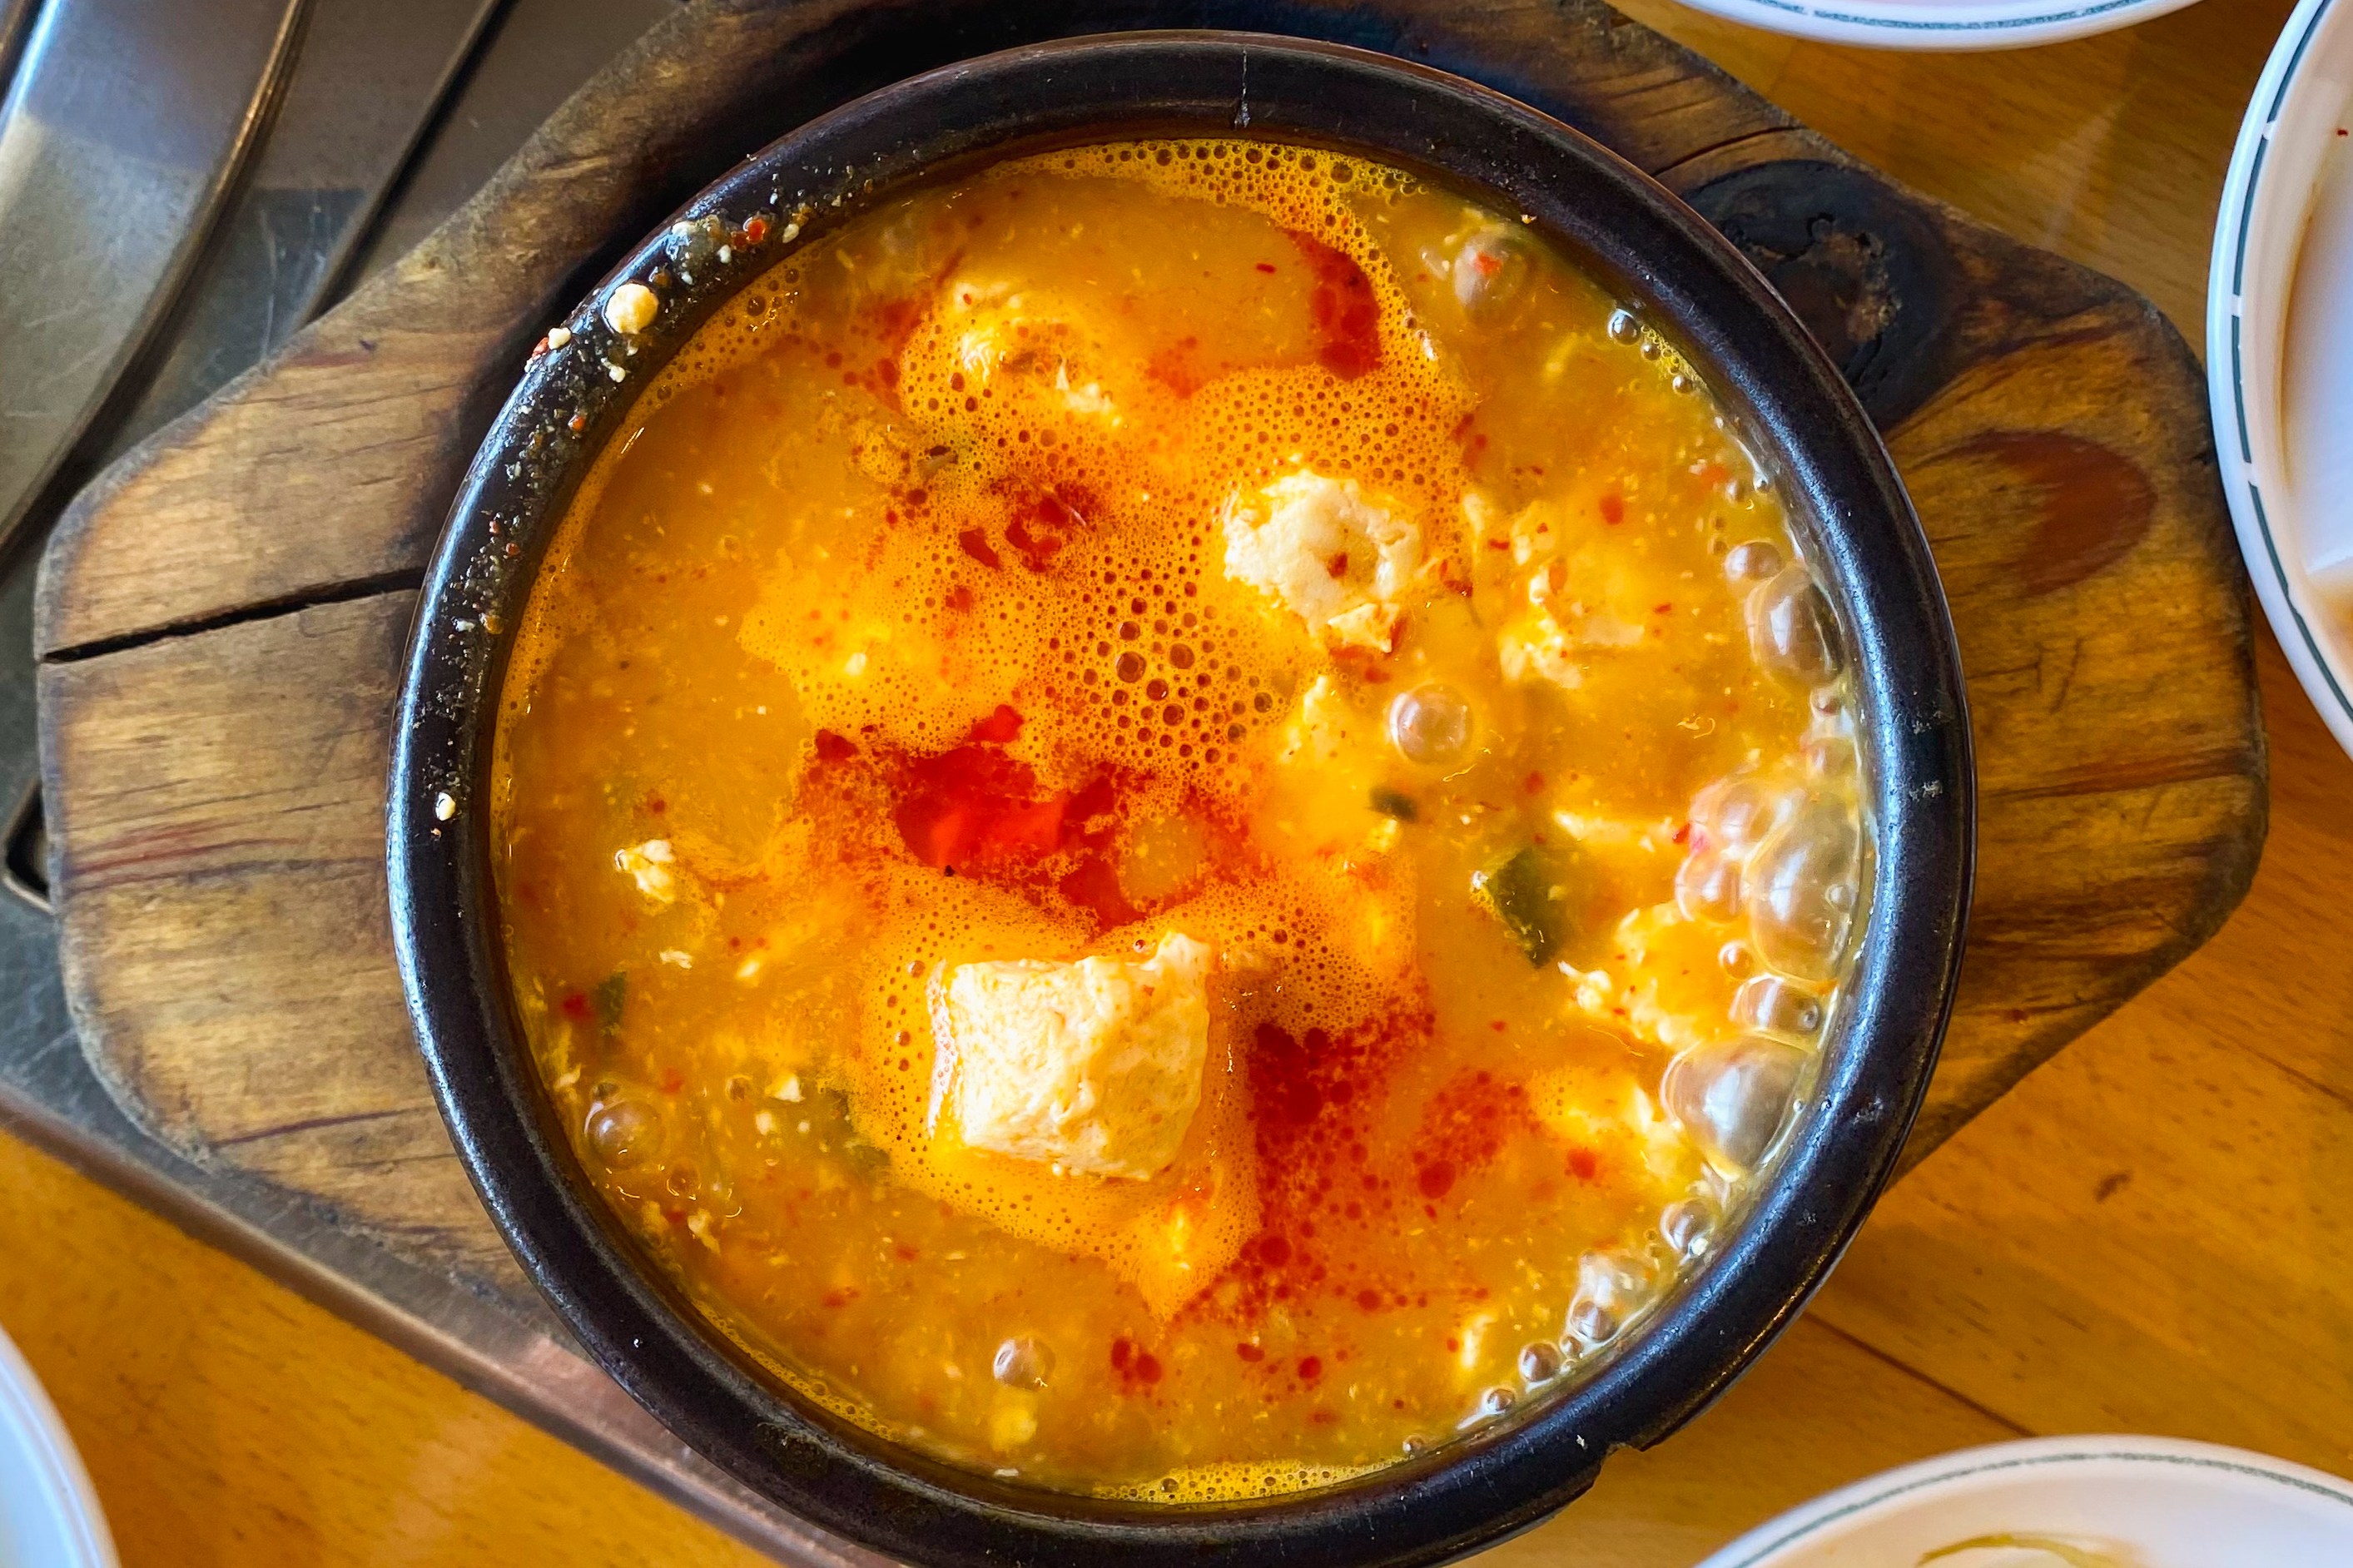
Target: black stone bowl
{"points": [[1858, 530]]}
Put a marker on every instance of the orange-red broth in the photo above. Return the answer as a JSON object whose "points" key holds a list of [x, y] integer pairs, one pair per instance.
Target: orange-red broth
{"points": [[893, 634]]}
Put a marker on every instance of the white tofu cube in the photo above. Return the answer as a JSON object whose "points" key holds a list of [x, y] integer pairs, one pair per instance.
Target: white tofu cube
{"points": [[649, 864], [1092, 1066], [1327, 553]]}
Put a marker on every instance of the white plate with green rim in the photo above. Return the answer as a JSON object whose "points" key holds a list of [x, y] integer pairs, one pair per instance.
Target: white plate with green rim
{"points": [[50, 1516], [1938, 24], [2069, 1503], [2279, 349]]}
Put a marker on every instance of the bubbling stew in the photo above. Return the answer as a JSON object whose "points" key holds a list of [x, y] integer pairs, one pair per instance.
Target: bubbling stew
{"points": [[1176, 818]]}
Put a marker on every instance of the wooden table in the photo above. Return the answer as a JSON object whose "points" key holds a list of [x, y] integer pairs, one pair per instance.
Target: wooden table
{"points": [[2146, 1235]]}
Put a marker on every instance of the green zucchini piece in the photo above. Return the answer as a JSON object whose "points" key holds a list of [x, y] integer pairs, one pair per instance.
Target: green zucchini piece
{"points": [[609, 997], [1535, 893]]}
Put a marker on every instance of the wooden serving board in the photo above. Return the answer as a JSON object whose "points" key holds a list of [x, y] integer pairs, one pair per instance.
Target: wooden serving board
{"points": [[222, 614]]}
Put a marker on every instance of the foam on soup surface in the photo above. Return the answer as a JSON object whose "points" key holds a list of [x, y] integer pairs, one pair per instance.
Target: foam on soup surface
{"points": [[1175, 819]]}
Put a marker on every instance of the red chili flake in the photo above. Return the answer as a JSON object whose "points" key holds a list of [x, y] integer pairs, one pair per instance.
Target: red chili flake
{"points": [[959, 598], [1499, 544], [975, 543], [1249, 1352], [656, 804], [540, 347], [1041, 533], [1534, 783], [974, 803], [755, 229], [1123, 1350], [833, 748], [1337, 566], [1487, 263], [1147, 1367], [1368, 1300], [906, 1253], [841, 1295], [1344, 309], [672, 1080], [1583, 1164], [1682, 834], [1613, 508], [1000, 727], [1465, 1126], [1094, 887], [1268, 266], [576, 1005], [1285, 1089], [576, 424], [1310, 1368], [1662, 609], [1499, 1025]]}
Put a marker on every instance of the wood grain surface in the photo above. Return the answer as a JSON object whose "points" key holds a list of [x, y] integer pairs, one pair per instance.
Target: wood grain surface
{"points": [[220, 615], [2145, 1233]]}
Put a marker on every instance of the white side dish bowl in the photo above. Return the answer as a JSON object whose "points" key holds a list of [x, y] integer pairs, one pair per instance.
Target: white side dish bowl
{"points": [[1950, 25], [50, 1516], [2279, 349], [2133, 1503]]}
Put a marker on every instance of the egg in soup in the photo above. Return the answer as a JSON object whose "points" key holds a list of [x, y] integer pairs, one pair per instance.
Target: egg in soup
{"points": [[1175, 818]]}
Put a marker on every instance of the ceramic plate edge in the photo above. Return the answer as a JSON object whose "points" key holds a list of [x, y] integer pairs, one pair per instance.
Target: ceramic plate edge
{"points": [[1760, 1547], [2234, 442], [79, 1523], [1946, 24]]}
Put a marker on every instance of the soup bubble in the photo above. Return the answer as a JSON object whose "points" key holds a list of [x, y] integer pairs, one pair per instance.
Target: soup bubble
{"points": [[625, 1132], [1803, 887], [1791, 631], [1496, 1401], [1025, 1360], [1430, 726], [1829, 756], [1776, 1007], [1731, 1097], [1736, 813], [1707, 886], [1540, 1361], [1688, 1227], [1752, 563], [1611, 1288], [1488, 272]]}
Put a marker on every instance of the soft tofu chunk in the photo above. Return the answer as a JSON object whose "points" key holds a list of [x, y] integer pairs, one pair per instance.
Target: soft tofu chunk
{"points": [[1327, 553], [1092, 1066], [1002, 331], [649, 864]]}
